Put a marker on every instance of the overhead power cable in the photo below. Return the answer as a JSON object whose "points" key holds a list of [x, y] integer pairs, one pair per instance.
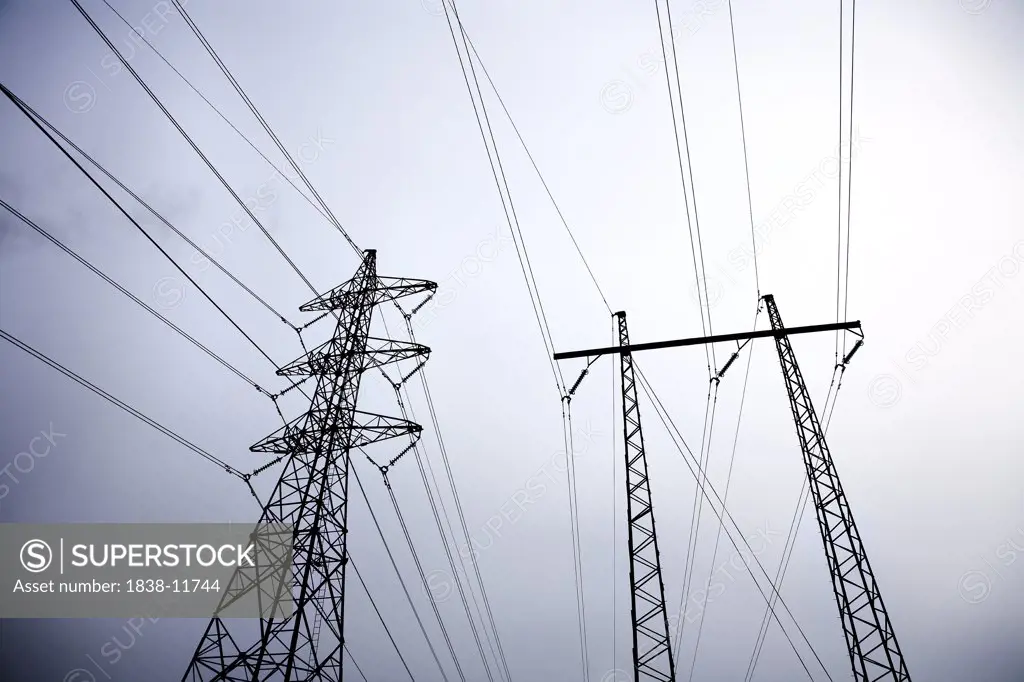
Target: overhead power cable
{"points": [[263, 122], [152, 210], [497, 170], [849, 168], [381, 618], [195, 147], [428, 397], [697, 248], [533, 162], [217, 111], [398, 574], [59, 244], [746, 163], [462, 47], [725, 499], [10, 338], [843, 271], [408, 414], [132, 220], [423, 578]]}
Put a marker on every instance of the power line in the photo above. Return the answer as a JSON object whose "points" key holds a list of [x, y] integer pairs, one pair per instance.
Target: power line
{"points": [[217, 111], [134, 222], [698, 247], [533, 162], [194, 146], [408, 412], [10, 338], [512, 219], [263, 122], [459, 510], [155, 213], [746, 164], [398, 574], [725, 495], [96, 271], [380, 617], [423, 578], [508, 206], [849, 170]]}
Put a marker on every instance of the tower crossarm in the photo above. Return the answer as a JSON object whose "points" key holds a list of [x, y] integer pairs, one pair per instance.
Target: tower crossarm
{"points": [[378, 352], [378, 290]]}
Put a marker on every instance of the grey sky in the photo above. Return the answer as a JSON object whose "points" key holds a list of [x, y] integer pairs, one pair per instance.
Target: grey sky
{"points": [[926, 433]]}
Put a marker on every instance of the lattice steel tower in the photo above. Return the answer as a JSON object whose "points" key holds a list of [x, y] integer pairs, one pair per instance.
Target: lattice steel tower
{"points": [[874, 652], [311, 494], [652, 653]]}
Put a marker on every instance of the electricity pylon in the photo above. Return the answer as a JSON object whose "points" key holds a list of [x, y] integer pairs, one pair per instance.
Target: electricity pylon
{"points": [[311, 495], [652, 653], [874, 652]]}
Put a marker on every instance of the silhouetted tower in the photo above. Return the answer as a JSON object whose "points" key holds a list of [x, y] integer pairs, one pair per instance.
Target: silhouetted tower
{"points": [[874, 652], [652, 654], [311, 495]]}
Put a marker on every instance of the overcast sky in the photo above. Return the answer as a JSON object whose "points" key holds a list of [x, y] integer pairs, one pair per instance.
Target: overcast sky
{"points": [[926, 432]]}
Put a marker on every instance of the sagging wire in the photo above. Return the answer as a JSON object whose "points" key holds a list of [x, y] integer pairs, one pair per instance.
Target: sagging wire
{"points": [[574, 521], [398, 386], [496, 648]]}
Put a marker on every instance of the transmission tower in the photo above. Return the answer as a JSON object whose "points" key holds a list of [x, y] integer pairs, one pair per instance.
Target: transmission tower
{"points": [[874, 652], [311, 495], [652, 653]]}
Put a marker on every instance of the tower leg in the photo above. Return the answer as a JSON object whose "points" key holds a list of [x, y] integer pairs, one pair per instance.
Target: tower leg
{"points": [[652, 653], [874, 652]]}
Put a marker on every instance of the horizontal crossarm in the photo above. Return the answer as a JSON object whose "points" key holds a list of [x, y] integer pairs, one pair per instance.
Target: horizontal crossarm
{"points": [[702, 340]]}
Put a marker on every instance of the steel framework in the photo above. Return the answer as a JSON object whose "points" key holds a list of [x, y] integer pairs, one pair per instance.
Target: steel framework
{"points": [[874, 652], [311, 495], [652, 653]]}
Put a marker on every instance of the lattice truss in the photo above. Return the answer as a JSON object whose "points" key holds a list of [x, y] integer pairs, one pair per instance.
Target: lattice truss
{"points": [[311, 497]]}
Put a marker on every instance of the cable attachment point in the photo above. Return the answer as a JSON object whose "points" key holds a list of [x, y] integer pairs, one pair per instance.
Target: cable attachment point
{"points": [[572, 391], [584, 373], [856, 347], [421, 304], [727, 365], [259, 470], [401, 454]]}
